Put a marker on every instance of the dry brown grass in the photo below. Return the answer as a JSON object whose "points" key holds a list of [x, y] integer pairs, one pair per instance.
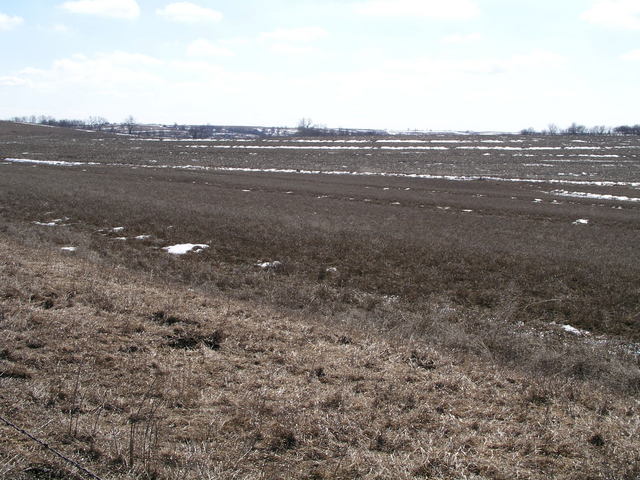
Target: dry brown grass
{"points": [[427, 353], [107, 378]]}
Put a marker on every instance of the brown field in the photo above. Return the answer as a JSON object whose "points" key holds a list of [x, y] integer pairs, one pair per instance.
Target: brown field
{"points": [[412, 329]]}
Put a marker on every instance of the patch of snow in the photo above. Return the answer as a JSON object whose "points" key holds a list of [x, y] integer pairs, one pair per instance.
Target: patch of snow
{"points": [[583, 148], [581, 221], [69, 249], [58, 163], [117, 229], [324, 147], [267, 265], [142, 237], [53, 223], [183, 248], [46, 224], [484, 147], [574, 330], [459, 178], [621, 198]]}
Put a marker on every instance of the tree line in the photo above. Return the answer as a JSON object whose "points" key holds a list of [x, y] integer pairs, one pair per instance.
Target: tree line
{"points": [[94, 123], [576, 129], [306, 128]]}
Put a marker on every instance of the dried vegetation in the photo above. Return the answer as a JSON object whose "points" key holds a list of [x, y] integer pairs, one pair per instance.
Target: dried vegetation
{"points": [[392, 341]]}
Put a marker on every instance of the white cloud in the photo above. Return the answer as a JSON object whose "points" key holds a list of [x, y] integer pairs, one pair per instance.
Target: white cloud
{"points": [[59, 28], [187, 12], [532, 61], [104, 73], [295, 35], [204, 48], [621, 14], [462, 38], [288, 49], [293, 41], [7, 22], [12, 81], [438, 9], [632, 56], [125, 9]]}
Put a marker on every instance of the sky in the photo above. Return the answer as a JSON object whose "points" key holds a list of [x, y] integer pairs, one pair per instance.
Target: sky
{"points": [[483, 65]]}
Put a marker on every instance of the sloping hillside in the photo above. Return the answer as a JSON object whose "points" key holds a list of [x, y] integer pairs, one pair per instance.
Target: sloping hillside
{"points": [[138, 378]]}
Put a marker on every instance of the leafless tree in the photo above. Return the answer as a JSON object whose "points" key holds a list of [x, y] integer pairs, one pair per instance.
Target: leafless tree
{"points": [[97, 123], [129, 123]]}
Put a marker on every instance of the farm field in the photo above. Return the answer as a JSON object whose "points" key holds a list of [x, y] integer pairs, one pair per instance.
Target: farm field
{"points": [[317, 275]]}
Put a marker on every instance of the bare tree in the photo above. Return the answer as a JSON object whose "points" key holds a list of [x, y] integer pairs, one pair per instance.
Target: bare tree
{"points": [[575, 129], [129, 123], [97, 123], [305, 125], [201, 131]]}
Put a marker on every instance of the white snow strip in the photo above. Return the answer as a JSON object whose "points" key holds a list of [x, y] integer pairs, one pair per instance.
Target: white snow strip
{"points": [[142, 237], [413, 148], [58, 163], [465, 178], [324, 147], [604, 183], [585, 148], [581, 221], [69, 249], [597, 196], [184, 248], [412, 141], [476, 147]]}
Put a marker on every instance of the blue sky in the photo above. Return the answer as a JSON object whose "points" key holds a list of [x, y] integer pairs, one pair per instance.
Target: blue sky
{"points": [[395, 64]]}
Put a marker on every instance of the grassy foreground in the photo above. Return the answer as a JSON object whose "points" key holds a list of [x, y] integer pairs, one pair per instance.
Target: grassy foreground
{"points": [[136, 377]]}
